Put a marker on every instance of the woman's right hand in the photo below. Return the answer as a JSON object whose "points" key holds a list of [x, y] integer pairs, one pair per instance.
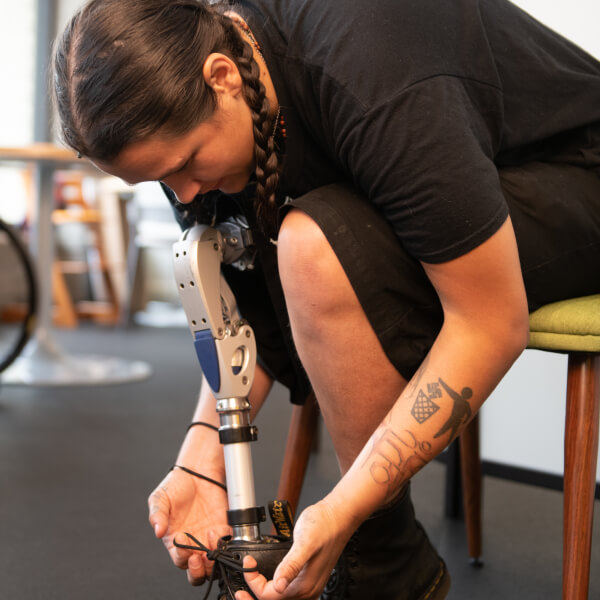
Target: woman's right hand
{"points": [[184, 503]]}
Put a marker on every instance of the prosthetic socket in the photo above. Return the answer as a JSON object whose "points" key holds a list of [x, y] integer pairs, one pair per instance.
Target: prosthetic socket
{"points": [[226, 349]]}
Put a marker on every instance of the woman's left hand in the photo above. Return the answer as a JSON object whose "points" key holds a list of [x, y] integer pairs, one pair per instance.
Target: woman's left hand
{"points": [[320, 535]]}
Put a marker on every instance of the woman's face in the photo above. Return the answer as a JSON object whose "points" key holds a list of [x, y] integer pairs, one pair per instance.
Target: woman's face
{"points": [[216, 154]]}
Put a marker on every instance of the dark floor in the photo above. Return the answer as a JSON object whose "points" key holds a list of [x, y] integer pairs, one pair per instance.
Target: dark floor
{"points": [[78, 464]]}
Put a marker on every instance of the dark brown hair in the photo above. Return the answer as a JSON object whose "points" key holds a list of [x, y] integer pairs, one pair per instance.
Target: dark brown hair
{"points": [[127, 69]]}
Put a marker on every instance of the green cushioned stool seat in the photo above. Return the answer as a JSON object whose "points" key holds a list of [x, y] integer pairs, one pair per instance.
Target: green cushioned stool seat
{"points": [[567, 326]]}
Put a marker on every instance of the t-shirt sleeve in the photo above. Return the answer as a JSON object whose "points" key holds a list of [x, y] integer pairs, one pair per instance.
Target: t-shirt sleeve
{"points": [[425, 158]]}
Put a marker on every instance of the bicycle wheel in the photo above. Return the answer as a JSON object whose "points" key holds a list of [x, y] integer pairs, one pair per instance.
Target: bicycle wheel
{"points": [[18, 295]]}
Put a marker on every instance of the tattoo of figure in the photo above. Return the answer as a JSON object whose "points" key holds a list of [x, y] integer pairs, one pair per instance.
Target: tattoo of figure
{"points": [[396, 458], [461, 411]]}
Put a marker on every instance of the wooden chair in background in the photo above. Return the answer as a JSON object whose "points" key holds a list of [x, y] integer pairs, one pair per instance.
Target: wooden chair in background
{"points": [[73, 208]]}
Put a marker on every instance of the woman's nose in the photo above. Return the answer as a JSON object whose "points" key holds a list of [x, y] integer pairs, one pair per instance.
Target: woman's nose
{"points": [[183, 187]]}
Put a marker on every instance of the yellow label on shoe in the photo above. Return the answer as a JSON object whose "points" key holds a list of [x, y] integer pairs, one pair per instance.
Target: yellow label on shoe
{"points": [[281, 516]]}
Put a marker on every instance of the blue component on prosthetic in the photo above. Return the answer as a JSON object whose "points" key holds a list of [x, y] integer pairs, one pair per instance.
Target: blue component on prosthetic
{"points": [[206, 351]]}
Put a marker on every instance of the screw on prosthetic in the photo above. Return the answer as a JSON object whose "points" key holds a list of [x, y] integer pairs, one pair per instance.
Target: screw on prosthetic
{"points": [[226, 349]]}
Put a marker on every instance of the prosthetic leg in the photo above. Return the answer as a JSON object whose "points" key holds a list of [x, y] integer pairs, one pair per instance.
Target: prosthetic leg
{"points": [[226, 349]]}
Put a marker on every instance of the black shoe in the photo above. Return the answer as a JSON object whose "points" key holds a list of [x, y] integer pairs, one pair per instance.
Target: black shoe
{"points": [[389, 558], [229, 558]]}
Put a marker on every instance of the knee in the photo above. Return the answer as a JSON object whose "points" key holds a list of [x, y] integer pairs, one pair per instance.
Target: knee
{"points": [[301, 249], [308, 267]]}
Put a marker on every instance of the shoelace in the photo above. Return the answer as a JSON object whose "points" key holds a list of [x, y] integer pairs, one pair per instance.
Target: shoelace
{"points": [[223, 560]]}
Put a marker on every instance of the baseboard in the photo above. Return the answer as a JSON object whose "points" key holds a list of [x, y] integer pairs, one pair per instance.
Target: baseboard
{"points": [[453, 496], [529, 476]]}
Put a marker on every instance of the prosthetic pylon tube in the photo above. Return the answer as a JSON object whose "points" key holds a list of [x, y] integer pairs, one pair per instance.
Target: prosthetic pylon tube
{"points": [[235, 433]]}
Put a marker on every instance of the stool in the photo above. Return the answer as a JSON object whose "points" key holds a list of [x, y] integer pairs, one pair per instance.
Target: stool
{"points": [[571, 327]]}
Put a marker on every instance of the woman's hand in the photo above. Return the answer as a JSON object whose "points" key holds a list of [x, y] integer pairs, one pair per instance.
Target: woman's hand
{"points": [[320, 535], [183, 503]]}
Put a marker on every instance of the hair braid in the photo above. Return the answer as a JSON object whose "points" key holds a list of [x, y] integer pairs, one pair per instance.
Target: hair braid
{"points": [[267, 167]]}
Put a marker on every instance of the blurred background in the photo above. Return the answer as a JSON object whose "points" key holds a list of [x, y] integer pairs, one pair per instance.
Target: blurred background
{"points": [[78, 461]]}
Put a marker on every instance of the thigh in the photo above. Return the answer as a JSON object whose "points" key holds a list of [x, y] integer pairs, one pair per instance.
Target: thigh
{"points": [[555, 211], [400, 303]]}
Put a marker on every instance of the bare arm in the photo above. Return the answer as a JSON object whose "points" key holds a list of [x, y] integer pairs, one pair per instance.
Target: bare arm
{"points": [[485, 329]]}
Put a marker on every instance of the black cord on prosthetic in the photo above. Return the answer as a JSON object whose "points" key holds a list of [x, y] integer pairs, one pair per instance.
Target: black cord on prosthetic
{"points": [[202, 424], [199, 476], [222, 557]]}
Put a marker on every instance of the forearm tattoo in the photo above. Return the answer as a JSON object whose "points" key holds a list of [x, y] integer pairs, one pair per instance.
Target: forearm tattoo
{"points": [[425, 406], [395, 458], [415, 382]]}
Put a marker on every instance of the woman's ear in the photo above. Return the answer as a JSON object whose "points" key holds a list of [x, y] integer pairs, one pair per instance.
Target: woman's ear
{"points": [[222, 74]]}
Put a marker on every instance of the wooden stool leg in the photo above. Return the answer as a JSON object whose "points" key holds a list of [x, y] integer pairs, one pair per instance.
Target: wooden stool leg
{"points": [[303, 426], [471, 484], [581, 452]]}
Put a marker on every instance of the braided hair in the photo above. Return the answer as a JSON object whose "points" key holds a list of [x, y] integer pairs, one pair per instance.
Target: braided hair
{"points": [[124, 70]]}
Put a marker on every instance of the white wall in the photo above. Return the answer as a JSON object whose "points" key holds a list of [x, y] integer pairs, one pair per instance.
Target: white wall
{"points": [[522, 422], [17, 73], [66, 8], [575, 19], [17, 47]]}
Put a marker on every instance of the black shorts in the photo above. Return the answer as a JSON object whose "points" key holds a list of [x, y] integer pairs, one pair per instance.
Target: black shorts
{"points": [[555, 210]]}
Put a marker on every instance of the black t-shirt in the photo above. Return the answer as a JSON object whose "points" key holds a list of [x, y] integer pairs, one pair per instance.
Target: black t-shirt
{"points": [[418, 102]]}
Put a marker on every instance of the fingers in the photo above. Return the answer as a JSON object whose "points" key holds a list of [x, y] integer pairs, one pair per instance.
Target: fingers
{"points": [[179, 556], [159, 508], [197, 564], [267, 590], [256, 582], [291, 565], [197, 570]]}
